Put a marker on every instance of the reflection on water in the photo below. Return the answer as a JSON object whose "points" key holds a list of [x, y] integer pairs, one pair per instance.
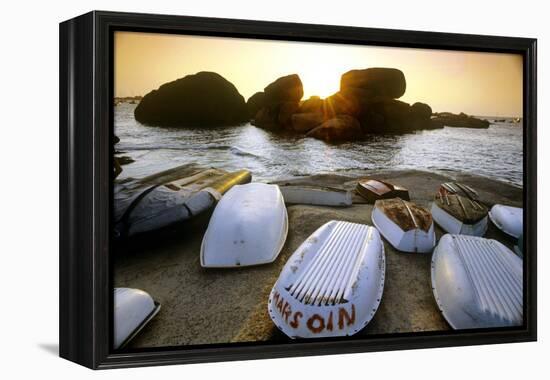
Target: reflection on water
{"points": [[495, 152]]}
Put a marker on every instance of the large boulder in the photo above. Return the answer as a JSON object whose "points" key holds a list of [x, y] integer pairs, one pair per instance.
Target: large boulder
{"points": [[339, 128], [304, 122], [205, 99], [312, 104], [286, 110], [254, 103], [420, 116], [421, 110], [267, 118], [459, 121], [281, 101], [386, 115], [346, 102], [287, 88], [376, 81]]}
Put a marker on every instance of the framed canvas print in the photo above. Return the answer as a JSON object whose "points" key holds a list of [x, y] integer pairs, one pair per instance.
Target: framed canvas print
{"points": [[236, 189]]}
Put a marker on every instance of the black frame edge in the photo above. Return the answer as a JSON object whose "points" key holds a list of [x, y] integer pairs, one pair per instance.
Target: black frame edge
{"points": [[85, 179], [76, 257]]}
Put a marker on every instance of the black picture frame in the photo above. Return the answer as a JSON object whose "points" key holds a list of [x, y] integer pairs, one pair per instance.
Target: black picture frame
{"points": [[86, 115]]}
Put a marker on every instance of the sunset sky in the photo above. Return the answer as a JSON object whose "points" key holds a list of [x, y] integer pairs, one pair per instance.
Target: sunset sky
{"points": [[487, 84]]}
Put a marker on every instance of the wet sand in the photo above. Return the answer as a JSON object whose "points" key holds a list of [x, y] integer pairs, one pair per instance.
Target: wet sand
{"points": [[208, 306]]}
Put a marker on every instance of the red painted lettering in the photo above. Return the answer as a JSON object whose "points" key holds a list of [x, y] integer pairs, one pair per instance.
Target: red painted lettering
{"points": [[296, 320], [345, 318], [316, 323]]}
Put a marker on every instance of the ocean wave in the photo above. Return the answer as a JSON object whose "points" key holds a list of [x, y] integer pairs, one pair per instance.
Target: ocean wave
{"points": [[233, 149]]}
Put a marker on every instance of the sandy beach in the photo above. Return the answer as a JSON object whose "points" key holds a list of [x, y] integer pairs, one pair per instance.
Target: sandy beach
{"points": [[206, 306]]}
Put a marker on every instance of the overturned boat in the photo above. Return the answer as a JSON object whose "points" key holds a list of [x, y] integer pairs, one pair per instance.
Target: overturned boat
{"points": [[248, 227], [457, 214], [315, 195], [459, 189], [133, 309], [332, 285], [170, 199], [508, 219], [518, 248], [373, 189], [477, 282], [407, 226]]}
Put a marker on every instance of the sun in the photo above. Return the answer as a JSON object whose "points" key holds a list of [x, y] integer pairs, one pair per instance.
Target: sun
{"points": [[321, 81]]}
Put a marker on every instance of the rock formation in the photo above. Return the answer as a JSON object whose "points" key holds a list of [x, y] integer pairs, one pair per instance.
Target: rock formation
{"points": [[366, 103], [339, 128], [204, 99], [281, 100], [459, 121]]}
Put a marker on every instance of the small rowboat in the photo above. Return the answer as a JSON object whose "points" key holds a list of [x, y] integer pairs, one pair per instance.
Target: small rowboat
{"points": [[248, 227], [315, 195], [508, 219], [134, 308], [405, 225], [167, 202], [373, 189], [459, 189], [457, 214], [477, 282], [332, 284]]}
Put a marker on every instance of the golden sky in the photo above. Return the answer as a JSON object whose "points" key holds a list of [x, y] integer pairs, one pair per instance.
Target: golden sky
{"points": [[487, 84]]}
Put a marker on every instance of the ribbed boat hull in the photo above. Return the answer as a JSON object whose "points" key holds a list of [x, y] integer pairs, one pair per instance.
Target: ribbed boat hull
{"points": [[477, 282], [333, 283]]}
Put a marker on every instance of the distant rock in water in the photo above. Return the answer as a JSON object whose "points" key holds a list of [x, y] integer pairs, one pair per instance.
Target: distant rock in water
{"points": [[281, 100], [459, 121], [205, 99], [376, 81], [285, 89]]}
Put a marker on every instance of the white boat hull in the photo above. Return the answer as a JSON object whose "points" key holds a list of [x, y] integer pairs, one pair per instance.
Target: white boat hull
{"points": [[508, 219], [248, 227], [477, 282], [133, 309], [333, 283], [414, 240], [454, 226]]}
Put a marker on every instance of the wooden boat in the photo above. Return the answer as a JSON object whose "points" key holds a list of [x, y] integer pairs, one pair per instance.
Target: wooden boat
{"points": [[332, 285], [405, 225], [477, 282], [459, 215], [315, 195], [248, 227], [373, 189], [133, 309], [459, 189], [161, 200], [508, 219]]}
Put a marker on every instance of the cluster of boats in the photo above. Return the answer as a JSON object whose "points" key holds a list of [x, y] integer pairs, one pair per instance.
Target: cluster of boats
{"points": [[333, 283]]}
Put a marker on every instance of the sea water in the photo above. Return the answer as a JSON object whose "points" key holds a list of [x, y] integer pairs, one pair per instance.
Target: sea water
{"points": [[496, 152]]}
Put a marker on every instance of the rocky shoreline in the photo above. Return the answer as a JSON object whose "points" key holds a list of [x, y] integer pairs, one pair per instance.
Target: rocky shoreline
{"points": [[209, 306], [367, 103]]}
